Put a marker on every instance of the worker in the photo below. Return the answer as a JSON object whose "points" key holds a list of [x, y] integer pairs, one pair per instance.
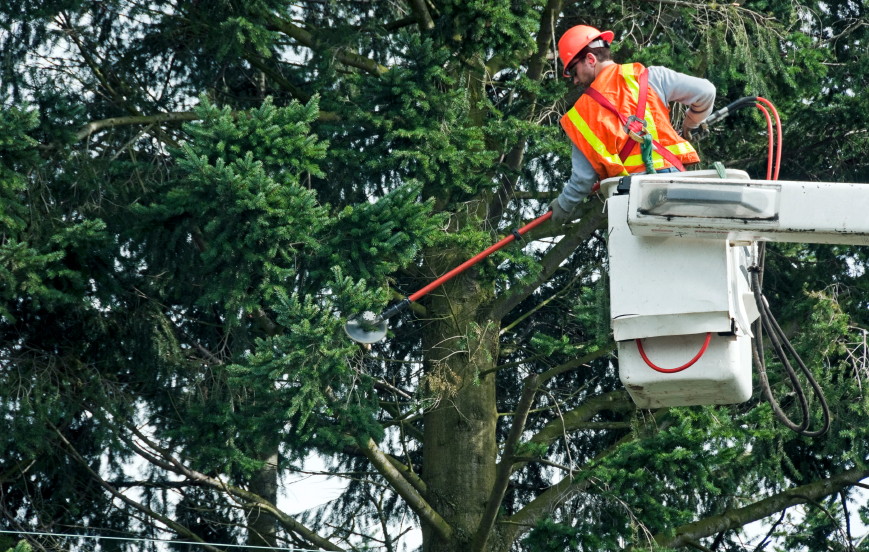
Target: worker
{"points": [[602, 118]]}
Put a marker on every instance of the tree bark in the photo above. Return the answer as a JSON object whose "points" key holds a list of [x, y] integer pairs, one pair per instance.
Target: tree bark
{"points": [[460, 449], [260, 525]]}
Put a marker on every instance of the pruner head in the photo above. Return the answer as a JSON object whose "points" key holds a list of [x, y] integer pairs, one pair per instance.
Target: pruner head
{"points": [[366, 328]]}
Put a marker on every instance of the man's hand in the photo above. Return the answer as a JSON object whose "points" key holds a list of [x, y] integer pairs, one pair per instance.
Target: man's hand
{"points": [[559, 215], [697, 133]]}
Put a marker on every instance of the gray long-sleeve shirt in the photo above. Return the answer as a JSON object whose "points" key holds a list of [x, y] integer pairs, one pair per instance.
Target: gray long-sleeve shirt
{"points": [[670, 86]]}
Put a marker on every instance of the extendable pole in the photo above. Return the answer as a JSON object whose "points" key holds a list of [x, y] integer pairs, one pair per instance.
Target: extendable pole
{"points": [[355, 328]]}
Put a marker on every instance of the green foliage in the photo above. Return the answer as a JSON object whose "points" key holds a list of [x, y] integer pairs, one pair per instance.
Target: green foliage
{"points": [[188, 278], [22, 546]]}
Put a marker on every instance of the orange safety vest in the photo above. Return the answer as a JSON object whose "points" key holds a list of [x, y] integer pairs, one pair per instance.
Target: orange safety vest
{"points": [[598, 132]]}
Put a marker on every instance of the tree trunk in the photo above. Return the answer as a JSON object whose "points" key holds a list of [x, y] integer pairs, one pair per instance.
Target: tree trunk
{"points": [[460, 449], [261, 526]]}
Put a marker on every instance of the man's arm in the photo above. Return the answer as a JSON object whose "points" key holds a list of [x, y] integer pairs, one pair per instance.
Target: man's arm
{"points": [[698, 94], [582, 178]]}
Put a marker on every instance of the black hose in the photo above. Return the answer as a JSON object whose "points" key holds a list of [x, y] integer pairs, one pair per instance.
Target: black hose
{"points": [[781, 343], [747, 101]]}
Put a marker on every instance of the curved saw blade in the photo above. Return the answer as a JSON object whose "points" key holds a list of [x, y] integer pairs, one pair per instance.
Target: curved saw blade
{"points": [[367, 332]]}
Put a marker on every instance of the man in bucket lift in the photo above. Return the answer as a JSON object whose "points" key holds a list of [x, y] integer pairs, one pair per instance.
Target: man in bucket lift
{"points": [[622, 104]]}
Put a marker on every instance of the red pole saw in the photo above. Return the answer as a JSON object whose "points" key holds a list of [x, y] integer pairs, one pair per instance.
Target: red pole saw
{"points": [[369, 328]]}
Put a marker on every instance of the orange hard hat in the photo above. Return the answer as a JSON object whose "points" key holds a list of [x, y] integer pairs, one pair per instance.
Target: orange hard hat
{"points": [[577, 38]]}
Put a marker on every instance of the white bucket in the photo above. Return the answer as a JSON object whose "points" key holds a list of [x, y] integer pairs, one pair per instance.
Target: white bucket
{"points": [[721, 376]]}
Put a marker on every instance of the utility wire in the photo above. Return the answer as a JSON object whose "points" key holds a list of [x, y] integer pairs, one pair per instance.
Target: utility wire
{"points": [[142, 539]]}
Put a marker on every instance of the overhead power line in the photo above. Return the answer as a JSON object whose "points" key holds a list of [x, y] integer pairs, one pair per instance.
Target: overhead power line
{"points": [[142, 539]]}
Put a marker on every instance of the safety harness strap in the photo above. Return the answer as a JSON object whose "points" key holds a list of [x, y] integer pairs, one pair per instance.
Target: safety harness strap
{"points": [[643, 82], [641, 111]]}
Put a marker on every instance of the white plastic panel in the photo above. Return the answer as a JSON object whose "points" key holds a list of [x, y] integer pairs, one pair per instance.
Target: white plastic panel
{"points": [[708, 200], [665, 286], [808, 212], [721, 376], [608, 186]]}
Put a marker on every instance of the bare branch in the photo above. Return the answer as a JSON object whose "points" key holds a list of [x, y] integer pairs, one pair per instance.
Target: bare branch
{"points": [[591, 220], [505, 466], [574, 364], [565, 489], [574, 420], [411, 477], [253, 499], [739, 517], [343, 55], [278, 78], [420, 12], [404, 489], [400, 23], [180, 529], [95, 126], [536, 195]]}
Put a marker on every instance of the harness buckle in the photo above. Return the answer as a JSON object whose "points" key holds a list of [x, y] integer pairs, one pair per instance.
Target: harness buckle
{"points": [[636, 128]]}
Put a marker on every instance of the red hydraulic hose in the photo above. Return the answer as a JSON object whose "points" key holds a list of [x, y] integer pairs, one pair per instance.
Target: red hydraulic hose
{"points": [[770, 152], [680, 368], [477, 258], [779, 134], [769, 176]]}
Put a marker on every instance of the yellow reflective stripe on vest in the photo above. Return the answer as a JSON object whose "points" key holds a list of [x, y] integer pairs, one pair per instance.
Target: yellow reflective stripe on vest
{"points": [[681, 148], [637, 161], [591, 138], [634, 87], [678, 149]]}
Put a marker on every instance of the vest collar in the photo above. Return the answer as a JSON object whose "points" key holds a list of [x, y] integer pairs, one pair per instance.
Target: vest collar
{"points": [[604, 72]]}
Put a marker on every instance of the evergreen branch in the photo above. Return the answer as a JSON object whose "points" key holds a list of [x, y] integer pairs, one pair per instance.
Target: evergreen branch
{"points": [[420, 12], [576, 363], [566, 488], [172, 464], [400, 23], [545, 37], [343, 55], [95, 126], [157, 484], [505, 466], [395, 413], [536, 195], [576, 419], [297, 92], [526, 459], [405, 490], [546, 301], [177, 527], [174, 116], [514, 158], [732, 519], [591, 220]]}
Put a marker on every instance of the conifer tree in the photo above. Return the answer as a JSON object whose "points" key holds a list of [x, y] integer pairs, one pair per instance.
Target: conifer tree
{"points": [[195, 196]]}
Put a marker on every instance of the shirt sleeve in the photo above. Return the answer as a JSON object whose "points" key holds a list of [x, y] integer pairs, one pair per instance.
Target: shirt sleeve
{"points": [[698, 94], [582, 178]]}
